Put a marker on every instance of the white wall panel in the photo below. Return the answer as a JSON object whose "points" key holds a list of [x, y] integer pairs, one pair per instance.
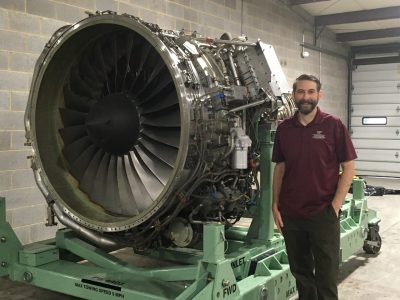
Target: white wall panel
{"points": [[376, 144], [376, 110], [375, 155], [375, 133], [375, 98]]}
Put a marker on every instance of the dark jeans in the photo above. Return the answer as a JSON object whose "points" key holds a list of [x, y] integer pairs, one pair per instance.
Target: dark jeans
{"points": [[313, 246]]}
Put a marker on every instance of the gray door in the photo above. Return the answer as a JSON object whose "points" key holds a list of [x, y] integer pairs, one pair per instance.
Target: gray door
{"points": [[375, 119]]}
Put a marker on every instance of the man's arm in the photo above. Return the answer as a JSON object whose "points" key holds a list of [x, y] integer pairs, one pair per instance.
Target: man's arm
{"points": [[279, 171], [344, 184]]}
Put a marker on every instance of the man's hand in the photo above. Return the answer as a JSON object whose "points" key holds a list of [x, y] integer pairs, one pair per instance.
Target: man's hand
{"points": [[343, 185], [336, 206], [277, 218]]}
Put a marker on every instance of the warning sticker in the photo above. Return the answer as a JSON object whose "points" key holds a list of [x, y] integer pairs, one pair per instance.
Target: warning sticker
{"points": [[102, 286]]}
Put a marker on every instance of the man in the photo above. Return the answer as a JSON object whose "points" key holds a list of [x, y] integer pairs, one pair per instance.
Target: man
{"points": [[308, 193]]}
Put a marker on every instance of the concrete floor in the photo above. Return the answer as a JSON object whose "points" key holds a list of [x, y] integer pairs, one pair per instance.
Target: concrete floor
{"points": [[362, 277], [369, 277]]}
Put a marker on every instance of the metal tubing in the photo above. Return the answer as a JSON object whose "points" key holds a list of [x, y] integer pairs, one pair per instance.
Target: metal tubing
{"points": [[227, 42], [234, 71], [252, 104], [231, 146], [322, 50], [39, 180], [87, 233], [68, 241]]}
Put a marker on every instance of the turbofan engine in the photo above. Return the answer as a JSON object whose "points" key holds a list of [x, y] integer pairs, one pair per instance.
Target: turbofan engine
{"points": [[141, 134]]}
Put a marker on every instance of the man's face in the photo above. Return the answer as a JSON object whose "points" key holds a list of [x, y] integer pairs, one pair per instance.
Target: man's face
{"points": [[306, 96]]}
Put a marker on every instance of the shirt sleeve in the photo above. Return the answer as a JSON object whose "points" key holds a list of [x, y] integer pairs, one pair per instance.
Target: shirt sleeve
{"points": [[344, 146], [277, 155]]}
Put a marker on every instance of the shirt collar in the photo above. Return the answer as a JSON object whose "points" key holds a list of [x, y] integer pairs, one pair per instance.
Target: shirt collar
{"points": [[317, 119]]}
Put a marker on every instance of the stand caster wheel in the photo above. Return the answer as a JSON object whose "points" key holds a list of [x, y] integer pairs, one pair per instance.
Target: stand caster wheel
{"points": [[373, 242]]}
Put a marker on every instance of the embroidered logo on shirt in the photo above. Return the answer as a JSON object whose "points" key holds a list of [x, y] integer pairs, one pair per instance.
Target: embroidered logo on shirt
{"points": [[318, 135]]}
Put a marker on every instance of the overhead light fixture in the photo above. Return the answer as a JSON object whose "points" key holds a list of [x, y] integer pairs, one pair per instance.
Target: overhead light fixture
{"points": [[305, 54]]}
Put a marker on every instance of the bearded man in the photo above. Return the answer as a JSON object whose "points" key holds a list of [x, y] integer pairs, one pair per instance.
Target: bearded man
{"points": [[309, 150]]}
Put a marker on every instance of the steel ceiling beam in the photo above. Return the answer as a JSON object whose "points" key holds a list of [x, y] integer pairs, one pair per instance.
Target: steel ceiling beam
{"points": [[373, 49], [367, 34], [376, 60], [298, 2], [359, 16]]}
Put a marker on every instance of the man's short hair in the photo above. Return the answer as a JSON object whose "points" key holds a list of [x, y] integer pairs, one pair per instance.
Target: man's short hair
{"points": [[307, 77]]}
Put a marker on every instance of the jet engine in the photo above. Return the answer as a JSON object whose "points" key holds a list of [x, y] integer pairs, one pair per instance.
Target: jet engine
{"points": [[140, 135]]}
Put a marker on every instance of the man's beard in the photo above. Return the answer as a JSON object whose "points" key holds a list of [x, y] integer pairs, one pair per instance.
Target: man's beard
{"points": [[306, 106]]}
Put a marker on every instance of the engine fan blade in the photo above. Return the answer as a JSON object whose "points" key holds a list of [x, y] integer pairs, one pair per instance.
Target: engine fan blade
{"points": [[72, 133], [153, 186], [72, 117], [113, 203], [88, 67], [164, 84], [98, 191], [76, 102], [155, 65], [140, 195], [158, 104], [89, 176], [127, 200], [161, 170], [164, 152], [167, 119], [79, 85], [114, 56], [138, 70], [169, 136], [92, 77], [128, 54], [102, 66], [74, 150], [79, 166]]}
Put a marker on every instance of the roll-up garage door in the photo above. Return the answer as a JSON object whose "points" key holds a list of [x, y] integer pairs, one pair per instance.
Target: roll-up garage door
{"points": [[375, 119]]}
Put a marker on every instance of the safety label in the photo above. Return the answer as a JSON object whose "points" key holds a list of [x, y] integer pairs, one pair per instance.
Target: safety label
{"points": [[99, 287]]}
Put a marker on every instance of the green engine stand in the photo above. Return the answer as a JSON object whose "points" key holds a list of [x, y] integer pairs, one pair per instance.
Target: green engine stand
{"points": [[255, 270], [53, 265], [239, 263]]}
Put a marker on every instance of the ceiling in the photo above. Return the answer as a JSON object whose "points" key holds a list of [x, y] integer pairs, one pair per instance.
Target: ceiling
{"points": [[367, 26]]}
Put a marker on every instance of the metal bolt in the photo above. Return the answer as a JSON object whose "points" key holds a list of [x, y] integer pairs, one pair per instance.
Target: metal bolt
{"points": [[225, 282], [3, 239], [4, 264], [264, 293], [28, 277]]}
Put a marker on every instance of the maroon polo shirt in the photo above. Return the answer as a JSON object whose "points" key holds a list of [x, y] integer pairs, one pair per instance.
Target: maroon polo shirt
{"points": [[312, 156]]}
